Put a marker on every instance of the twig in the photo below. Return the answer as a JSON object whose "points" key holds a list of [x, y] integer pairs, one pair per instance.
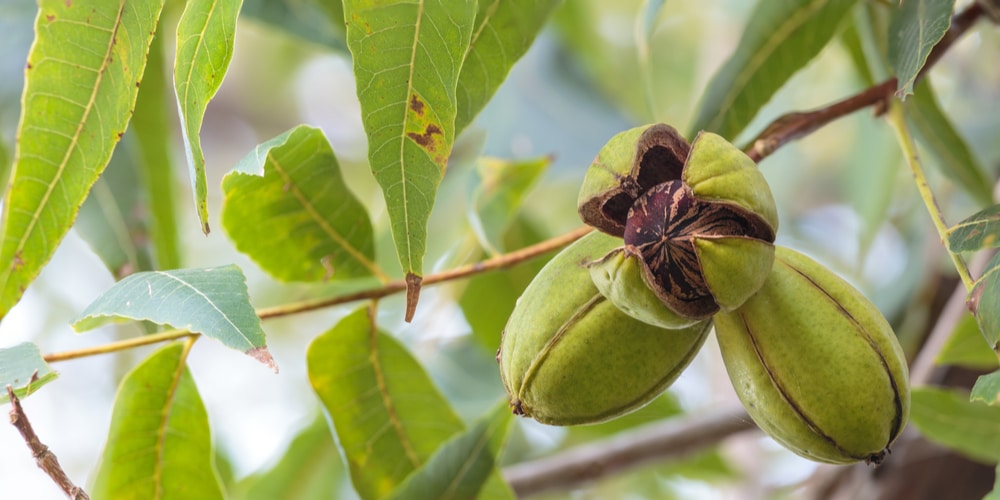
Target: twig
{"points": [[898, 123], [498, 262], [672, 439], [45, 459], [119, 346], [791, 126]]}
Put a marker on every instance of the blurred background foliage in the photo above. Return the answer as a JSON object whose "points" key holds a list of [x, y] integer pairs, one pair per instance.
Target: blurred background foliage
{"points": [[598, 68]]}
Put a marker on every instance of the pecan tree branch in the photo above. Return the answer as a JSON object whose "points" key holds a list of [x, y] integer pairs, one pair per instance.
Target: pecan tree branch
{"points": [[668, 440], [791, 126], [498, 262], [45, 459]]}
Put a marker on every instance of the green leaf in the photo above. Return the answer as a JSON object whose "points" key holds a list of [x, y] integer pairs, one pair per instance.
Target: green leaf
{"points": [[211, 301], [310, 469], [948, 418], [159, 444], [987, 389], [460, 468], [934, 130], [977, 232], [111, 220], [407, 57], [388, 416], [153, 134], [966, 347], [984, 302], [287, 207], [503, 32], [781, 37], [23, 368], [68, 131], [871, 22], [205, 36], [855, 46], [915, 29], [503, 186], [316, 21]]}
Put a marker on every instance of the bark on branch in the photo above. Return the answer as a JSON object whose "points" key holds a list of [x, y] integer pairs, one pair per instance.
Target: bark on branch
{"points": [[670, 440], [44, 457]]}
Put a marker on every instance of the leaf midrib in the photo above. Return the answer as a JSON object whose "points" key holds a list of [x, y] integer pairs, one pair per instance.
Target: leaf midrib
{"points": [[490, 12], [209, 302], [161, 430], [192, 130], [467, 465], [403, 137], [320, 221], [383, 390]]}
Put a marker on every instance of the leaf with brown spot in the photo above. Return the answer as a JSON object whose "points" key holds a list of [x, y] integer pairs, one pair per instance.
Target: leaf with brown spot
{"points": [[417, 105], [407, 58]]}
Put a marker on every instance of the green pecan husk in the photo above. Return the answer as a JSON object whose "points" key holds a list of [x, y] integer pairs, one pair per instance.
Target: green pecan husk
{"points": [[569, 356], [816, 364], [698, 220]]}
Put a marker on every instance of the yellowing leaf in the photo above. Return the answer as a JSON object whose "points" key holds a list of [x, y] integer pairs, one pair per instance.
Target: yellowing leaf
{"points": [[288, 208], [81, 81], [159, 444], [388, 416]]}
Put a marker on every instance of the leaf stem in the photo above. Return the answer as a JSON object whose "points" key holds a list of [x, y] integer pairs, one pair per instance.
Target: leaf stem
{"points": [[120, 345], [898, 123]]}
